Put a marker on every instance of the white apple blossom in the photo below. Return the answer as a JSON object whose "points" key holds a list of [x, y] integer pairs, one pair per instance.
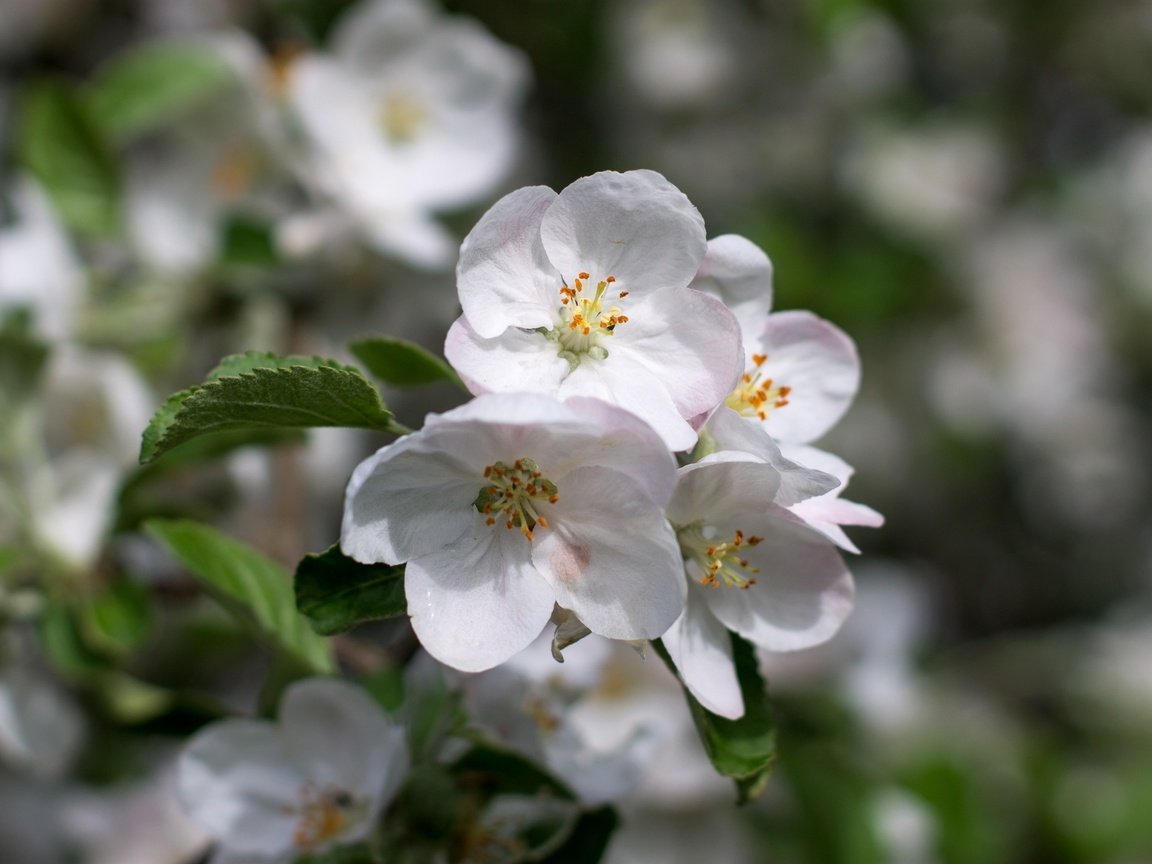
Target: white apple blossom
{"points": [[39, 270], [412, 112], [222, 157], [583, 293], [800, 372], [511, 504], [41, 728], [752, 567], [318, 778]]}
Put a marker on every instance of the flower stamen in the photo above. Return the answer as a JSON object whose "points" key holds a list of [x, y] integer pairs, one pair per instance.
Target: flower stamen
{"points": [[514, 492], [722, 563], [324, 814], [585, 319], [755, 395]]}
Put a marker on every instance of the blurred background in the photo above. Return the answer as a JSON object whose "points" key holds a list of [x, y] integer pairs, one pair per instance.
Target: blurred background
{"points": [[965, 187]]}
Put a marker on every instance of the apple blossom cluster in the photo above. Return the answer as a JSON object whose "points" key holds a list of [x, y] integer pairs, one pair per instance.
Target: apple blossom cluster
{"points": [[636, 458]]}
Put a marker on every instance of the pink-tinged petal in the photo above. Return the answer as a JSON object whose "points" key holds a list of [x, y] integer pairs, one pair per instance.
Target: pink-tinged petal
{"points": [[687, 341], [514, 360], [406, 500], [729, 431], [803, 591], [479, 601], [236, 780], [504, 277], [737, 271], [722, 486], [701, 648], [635, 226], [818, 362], [339, 735], [827, 512], [628, 445], [611, 557]]}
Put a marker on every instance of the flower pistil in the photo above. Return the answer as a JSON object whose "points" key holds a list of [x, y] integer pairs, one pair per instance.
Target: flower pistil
{"points": [[722, 562], [585, 319]]}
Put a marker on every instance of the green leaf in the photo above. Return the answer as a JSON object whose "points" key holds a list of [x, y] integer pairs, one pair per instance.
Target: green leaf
{"points": [[743, 749], [402, 363], [249, 584], [337, 593], [150, 86], [259, 391], [120, 617], [22, 359], [60, 145]]}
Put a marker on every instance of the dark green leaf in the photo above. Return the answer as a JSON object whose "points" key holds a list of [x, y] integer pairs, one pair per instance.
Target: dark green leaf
{"points": [[743, 749], [251, 585], [261, 391], [22, 359], [337, 593], [149, 86], [59, 144], [589, 838], [503, 772], [402, 363]]}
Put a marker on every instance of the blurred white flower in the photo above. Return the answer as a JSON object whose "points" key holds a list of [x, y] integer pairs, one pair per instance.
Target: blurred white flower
{"points": [[527, 704], [583, 293], [41, 728], [39, 270], [318, 778], [412, 112], [933, 182], [511, 504], [228, 155], [93, 408], [142, 823]]}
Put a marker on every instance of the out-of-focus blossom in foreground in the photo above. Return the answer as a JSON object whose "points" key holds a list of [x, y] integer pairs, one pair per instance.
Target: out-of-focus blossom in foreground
{"points": [[319, 778]]}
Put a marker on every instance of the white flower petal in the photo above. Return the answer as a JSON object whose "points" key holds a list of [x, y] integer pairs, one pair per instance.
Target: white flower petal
{"points": [[237, 781], [729, 431], [479, 601], [513, 360], [374, 32], [628, 445], [611, 557], [339, 735], [504, 277], [803, 591], [635, 226], [737, 271], [818, 362], [629, 387], [722, 486], [701, 648], [406, 500]]}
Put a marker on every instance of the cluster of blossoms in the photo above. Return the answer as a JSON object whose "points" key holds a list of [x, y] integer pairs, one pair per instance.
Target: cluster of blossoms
{"points": [[635, 463], [636, 458]]}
